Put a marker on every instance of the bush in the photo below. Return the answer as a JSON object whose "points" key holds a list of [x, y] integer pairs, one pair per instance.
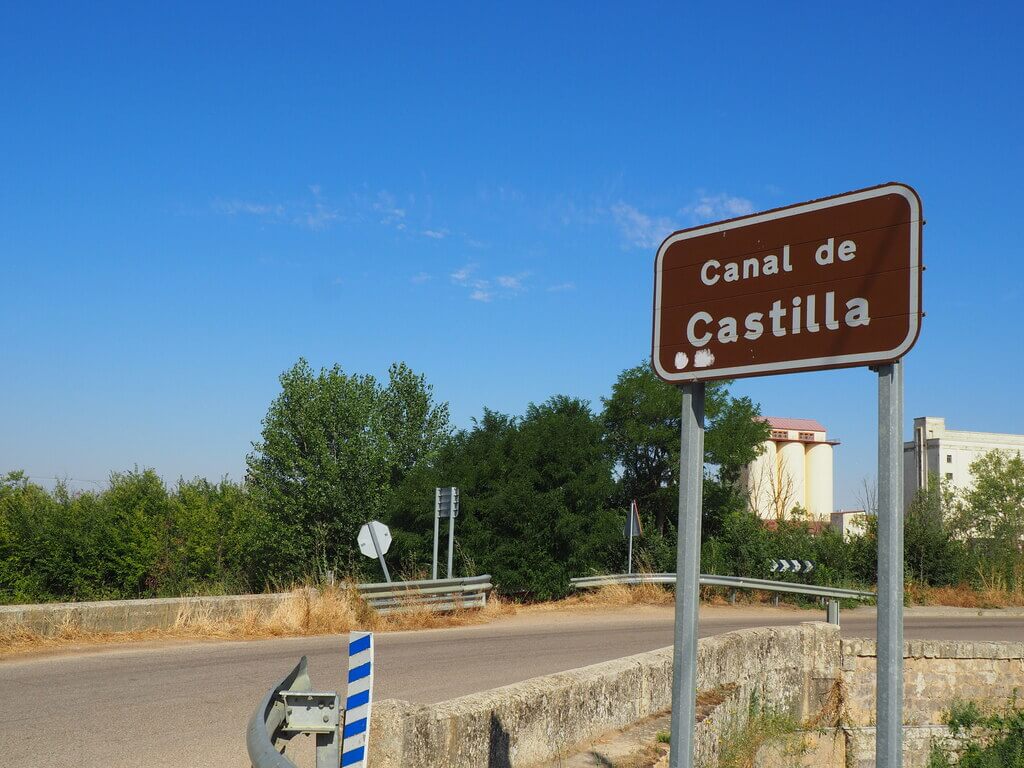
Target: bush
{"points": [[994, 740]]}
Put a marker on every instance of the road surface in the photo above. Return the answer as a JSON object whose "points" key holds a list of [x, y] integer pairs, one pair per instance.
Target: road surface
{"points": [[187, 704]]}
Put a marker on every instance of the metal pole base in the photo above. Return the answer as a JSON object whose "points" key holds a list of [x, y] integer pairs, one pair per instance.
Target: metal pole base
{"points": [[832, 612]]}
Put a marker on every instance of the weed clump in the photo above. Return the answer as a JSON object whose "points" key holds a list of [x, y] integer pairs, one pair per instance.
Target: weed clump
{"points": [[981, 739]]}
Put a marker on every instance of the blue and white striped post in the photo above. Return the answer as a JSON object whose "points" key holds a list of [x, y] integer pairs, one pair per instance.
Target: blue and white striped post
{"points": [[359, 700]]}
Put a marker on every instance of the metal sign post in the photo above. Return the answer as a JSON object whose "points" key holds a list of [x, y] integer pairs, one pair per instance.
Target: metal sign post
{"points": [[446, 504], [684, 650], [889, 697], [451, 539], [629, 554], [633, 528], [380, 555], [437, 527]]}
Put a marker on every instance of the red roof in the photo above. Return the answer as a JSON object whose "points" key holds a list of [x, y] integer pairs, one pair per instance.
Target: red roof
{"points": [[799, 425]]}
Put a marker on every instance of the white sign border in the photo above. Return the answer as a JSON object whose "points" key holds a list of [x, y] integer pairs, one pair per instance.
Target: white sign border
{"points": [[793, 366]]}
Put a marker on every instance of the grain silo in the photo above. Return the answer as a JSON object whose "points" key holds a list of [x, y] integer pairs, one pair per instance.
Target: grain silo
{"points": [[794, 469]]}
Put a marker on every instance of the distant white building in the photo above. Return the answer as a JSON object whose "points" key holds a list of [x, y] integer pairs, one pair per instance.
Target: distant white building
{"points": [[794, 468], [947, 454]]}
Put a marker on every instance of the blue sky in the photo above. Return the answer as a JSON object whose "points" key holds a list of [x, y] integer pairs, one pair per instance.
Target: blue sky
{"points": [[193, 197]]}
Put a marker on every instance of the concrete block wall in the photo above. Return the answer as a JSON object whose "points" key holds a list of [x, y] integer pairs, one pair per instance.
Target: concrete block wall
{"points": [[131, 615]]}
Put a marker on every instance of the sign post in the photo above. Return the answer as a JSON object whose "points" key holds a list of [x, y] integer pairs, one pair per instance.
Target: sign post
{"points": [[684, 651], [446, 504], [889, 715], [633, 528], [831, 283], [437, 530]]}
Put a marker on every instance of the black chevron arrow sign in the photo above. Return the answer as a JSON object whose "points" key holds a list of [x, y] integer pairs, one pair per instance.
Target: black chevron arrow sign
{"points": [[792, 566]]}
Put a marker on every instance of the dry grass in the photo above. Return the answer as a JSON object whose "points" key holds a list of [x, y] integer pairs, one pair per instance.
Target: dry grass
{"points": [[315, 611], [337, 609], [307, 611], [966, 596], [650, 756], [622, 595], [833, 712], [710, 699]]}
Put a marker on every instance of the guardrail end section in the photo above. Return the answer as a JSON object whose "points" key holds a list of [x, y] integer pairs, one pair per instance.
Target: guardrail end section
{"points": [[359, 700], [265, 724]]}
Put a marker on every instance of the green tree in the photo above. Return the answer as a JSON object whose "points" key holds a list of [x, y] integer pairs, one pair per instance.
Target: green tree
{"points": [[743, 545], [332, 444], [990, 515], [642, 425], [534, 503], [26, 514], [414, 426], [932, 554]]}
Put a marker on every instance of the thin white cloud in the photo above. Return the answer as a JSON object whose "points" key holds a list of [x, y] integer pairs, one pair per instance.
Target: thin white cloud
{"points": [[479, 289], [420, 278], [486, 289], [639, 229], [318, 212], [435, 234], [318, 217], [716, 207], [461, 275], [391, 215], [561, 287], [247, 207], [512, 282]]}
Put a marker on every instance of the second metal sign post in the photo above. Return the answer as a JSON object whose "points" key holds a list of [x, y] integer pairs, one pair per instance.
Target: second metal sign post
{"points": [[446, 504]]}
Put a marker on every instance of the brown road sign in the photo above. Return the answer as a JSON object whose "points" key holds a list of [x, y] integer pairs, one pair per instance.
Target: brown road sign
{"points": [[831, 283]]}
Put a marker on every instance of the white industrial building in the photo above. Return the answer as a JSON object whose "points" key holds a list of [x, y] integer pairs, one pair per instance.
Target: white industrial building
{"points": [[793, 469], [948, 454]]}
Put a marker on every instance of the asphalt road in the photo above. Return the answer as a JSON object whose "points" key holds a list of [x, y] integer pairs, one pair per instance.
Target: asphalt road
{"points": [[187, 704]]}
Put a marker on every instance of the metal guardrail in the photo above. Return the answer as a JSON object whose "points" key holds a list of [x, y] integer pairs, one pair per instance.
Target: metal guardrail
{"points": [[436, 594], [832, 594], [267, 722]]}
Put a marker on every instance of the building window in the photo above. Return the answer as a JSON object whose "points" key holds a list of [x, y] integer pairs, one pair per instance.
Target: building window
{"points": [[780, 434], [949, 458], [949, 475], [806, 435]]}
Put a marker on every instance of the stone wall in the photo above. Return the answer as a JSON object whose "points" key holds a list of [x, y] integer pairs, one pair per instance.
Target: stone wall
{"points": [[540, 720], [936, 674], [792, 669]]}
